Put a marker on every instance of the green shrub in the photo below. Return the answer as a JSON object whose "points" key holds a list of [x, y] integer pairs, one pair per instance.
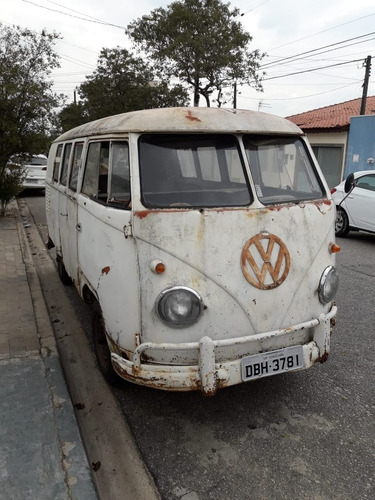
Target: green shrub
{"points": [[10, 185]]}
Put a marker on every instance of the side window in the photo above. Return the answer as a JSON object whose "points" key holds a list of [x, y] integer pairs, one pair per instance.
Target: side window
{"points": [[366, 182], [103, 171], [120, 175], [95, 181], [90, 180], [56, 163], [65, 164], [77, 156]]}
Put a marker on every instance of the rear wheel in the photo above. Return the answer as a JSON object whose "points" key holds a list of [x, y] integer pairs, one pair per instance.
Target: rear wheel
{"points": [[102, 351], [341, 223], [63, 275]]}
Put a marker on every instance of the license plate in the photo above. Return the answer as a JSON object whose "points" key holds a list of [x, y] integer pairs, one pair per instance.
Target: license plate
{"points": [[272, 363]]}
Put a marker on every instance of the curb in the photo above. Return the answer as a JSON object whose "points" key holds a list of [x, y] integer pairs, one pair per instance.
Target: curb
{"points": [[119, 471], [78, 476]]}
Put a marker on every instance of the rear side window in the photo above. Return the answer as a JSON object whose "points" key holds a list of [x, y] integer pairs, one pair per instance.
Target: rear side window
{"points": [[56, 163], [186, 170], [282, 169]]}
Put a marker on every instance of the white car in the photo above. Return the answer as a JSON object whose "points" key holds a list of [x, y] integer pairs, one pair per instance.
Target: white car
{"points": [[35, 172], [355, 209]]}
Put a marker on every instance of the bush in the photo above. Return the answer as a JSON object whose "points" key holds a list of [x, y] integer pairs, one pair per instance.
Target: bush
{"points": [[10, 185]]}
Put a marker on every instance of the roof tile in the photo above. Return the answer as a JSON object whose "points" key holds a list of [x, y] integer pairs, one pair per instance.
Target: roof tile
{"points": [[336, 116]]}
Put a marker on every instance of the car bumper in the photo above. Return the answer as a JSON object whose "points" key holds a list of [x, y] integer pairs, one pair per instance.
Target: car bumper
{"points": [[34, 184], [208, 375]]}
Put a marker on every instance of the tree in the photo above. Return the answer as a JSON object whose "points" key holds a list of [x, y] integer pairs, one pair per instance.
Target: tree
{"points": [[123, 83], [27, 102], [201, 43], [72, 115]]}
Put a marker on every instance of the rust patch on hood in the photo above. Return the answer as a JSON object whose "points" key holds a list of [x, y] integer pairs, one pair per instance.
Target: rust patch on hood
{"points": [[106, 270], [191, 117]]}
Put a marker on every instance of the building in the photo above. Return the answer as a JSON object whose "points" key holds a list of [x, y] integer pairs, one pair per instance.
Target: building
{"points": [[328, 132]]}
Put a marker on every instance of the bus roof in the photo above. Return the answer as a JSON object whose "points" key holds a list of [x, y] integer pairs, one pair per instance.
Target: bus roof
{"points": [[187, 120]]}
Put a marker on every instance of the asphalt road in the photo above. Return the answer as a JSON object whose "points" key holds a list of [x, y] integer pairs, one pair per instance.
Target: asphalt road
{"points": [[304, 435]]}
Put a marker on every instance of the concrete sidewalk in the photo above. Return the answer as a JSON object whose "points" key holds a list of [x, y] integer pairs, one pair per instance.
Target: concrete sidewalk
{"points": [[41, 451]]}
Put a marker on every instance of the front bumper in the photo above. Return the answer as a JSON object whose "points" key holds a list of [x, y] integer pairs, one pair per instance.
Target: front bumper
{"points": [[208, 375]]}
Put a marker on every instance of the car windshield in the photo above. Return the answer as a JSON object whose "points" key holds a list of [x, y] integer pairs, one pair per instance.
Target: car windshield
{"points": [[38, 161], [281, 169], [179, 170]]}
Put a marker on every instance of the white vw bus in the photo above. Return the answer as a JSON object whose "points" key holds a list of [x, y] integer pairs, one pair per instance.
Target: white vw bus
{"points": [[204, 238]]}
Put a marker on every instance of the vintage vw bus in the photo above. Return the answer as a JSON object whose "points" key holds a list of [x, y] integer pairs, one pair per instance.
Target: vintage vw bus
{"points": [[204, 239]]}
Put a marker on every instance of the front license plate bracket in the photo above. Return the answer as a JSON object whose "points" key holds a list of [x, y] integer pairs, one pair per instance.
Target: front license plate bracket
{"points": [[271, 363]]}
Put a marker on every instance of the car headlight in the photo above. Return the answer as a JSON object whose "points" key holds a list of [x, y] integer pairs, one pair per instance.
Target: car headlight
{"points": [[179, 307], [328, 284]]}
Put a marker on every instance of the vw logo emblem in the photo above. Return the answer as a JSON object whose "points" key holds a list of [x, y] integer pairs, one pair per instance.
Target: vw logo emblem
{"points": [[265, 261]]}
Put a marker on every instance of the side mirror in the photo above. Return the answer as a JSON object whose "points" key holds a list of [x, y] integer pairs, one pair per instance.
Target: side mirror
{"points": [[349, 183]]}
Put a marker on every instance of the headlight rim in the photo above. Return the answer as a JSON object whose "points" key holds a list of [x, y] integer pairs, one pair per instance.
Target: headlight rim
{"points": [[323, 283], [170, 290]]}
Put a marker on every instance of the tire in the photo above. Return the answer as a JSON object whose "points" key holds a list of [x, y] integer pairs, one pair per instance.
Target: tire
{"points": [[101, 349], [341, 223], [63, 275]]}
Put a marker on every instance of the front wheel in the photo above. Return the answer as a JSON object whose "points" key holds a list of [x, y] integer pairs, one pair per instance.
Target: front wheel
{"points": [[101, 349], [341, 223]]}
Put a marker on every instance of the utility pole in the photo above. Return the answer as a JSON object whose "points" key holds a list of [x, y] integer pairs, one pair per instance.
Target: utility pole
{"points": [[235, 95], [365, 85]]}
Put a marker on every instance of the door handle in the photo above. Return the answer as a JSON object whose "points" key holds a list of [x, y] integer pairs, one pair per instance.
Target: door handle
{"points": [[78, 227]]}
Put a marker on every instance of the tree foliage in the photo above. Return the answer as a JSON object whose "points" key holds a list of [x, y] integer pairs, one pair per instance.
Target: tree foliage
{"points": [[201, 43], [27, 102], [124, 83], [72, 115], [10, 185]]}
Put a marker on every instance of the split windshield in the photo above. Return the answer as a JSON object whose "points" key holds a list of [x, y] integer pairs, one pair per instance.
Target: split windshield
{"points": [[281, 169], [186, 170]]}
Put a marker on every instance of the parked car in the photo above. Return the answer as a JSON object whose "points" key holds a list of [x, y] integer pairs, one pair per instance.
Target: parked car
{"points": [[355, 203], [35, 172]]}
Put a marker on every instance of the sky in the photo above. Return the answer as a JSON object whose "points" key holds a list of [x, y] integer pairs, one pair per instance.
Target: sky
{"points": [[332, 39]]}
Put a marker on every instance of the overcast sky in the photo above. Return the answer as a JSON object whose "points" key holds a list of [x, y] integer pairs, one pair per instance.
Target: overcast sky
{"points": [[280, 28]]}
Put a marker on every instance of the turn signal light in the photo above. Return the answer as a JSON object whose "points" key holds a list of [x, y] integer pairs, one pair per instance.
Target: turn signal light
{"points": [[334, 248], [157, 267]]}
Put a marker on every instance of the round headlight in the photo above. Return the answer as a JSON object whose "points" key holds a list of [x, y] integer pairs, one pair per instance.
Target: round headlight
{"points": [[328, 284], [179, 307]]}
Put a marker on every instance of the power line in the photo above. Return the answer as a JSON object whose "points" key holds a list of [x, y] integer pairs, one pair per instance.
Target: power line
{"points": [[320, 48], [76, 17], [323, 31], [76, 11], [253, 8], [312, 69], [299, 97]]}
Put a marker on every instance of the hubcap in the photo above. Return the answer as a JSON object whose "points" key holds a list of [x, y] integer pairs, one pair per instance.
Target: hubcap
{"points": [[339, 222]]}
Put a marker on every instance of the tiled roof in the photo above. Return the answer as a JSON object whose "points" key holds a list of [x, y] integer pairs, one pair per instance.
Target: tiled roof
{"points": [[336, 116]]}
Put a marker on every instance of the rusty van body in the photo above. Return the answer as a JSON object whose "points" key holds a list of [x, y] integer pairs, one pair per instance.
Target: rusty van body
{"points": [[204, 238]]}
